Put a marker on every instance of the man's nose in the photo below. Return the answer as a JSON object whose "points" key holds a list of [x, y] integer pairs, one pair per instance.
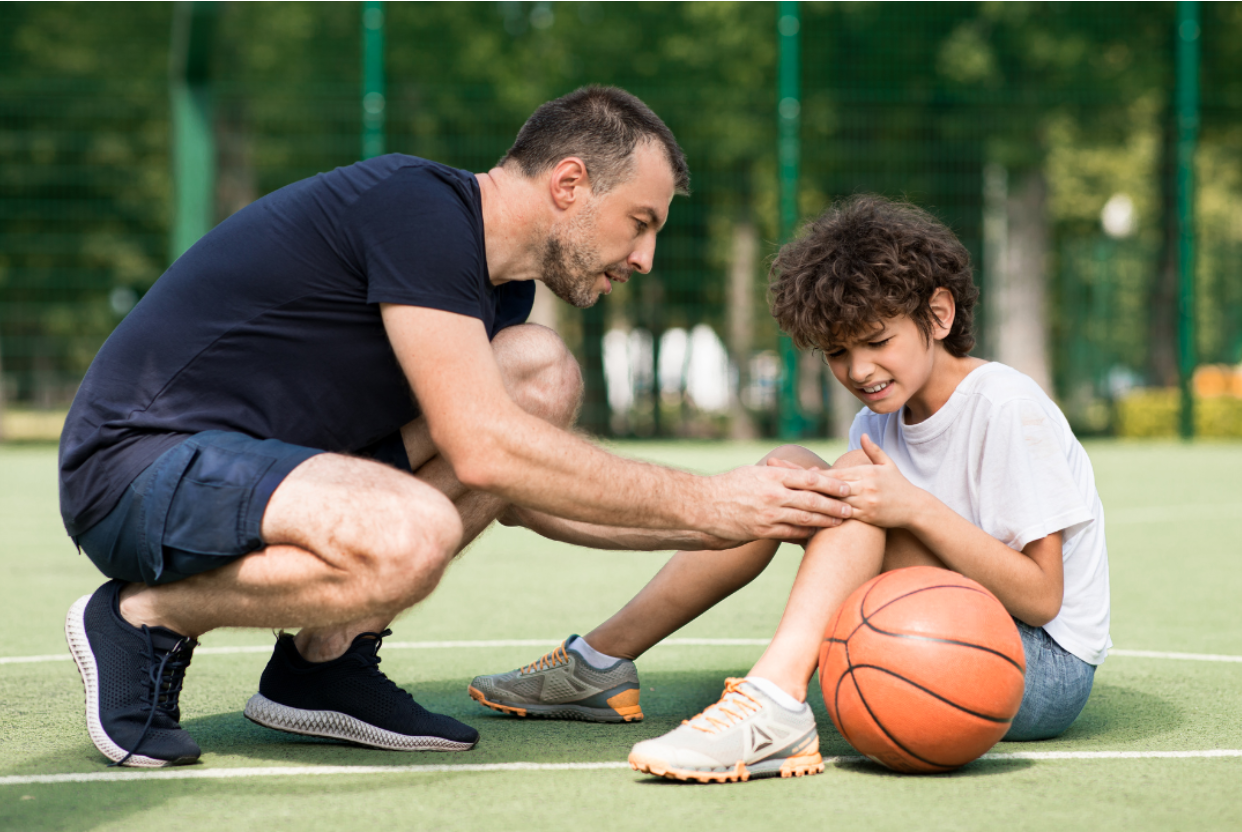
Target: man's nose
{"points": [[642, 256]]}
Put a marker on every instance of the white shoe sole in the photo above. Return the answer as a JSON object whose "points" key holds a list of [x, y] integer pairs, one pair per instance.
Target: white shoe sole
{"points": [[84, 658], [339, 726]]}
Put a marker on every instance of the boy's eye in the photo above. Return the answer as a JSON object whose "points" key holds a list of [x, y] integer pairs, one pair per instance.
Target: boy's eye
{"points": [[881, 342]]}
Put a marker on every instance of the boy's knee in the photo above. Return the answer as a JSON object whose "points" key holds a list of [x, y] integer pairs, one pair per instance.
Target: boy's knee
{"points": [[540, 372], [852, 459], [796, 454]]}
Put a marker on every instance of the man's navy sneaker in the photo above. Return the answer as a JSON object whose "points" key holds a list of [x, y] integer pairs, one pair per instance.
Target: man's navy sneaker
{"points": [[350, 698], [132, 677]]}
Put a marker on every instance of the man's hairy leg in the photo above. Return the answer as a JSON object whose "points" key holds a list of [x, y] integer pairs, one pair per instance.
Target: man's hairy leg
{"points": [[543, 378], [689, 585], [346, 535]]}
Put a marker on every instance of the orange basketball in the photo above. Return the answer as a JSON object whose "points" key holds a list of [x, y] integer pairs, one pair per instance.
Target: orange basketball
{"points": [[922, 669]]}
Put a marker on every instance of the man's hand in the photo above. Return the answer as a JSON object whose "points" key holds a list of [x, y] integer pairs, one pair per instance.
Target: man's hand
{"points": [[777, 502], [880, 495]]}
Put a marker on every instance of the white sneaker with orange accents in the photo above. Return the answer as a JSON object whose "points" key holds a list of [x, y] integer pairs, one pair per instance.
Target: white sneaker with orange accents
{"points": [[746, 734]]}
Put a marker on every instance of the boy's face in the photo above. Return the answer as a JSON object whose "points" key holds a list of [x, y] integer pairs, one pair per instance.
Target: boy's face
{"points": [[895, 365], [887, 367]]}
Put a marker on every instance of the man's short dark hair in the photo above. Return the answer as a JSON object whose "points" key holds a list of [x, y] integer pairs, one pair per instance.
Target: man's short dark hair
{"points": [[602, 126], [866, 259]]}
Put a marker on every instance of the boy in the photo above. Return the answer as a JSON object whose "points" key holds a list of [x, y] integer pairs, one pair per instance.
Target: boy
{"points": [[955, 462]]}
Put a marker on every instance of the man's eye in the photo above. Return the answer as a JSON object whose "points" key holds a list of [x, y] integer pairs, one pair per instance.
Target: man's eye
{"points": [[642, 226]]}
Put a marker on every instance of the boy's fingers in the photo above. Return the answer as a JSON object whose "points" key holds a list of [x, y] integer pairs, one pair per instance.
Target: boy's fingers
{"points": [[873, 451]]}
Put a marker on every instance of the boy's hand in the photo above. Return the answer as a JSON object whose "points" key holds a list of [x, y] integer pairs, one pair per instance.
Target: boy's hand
{"points": [[880, 495]]}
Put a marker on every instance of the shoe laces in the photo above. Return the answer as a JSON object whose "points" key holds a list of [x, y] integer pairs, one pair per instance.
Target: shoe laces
{"points": [[554, 659], [735, 705], [370, 661], [162, 688]]}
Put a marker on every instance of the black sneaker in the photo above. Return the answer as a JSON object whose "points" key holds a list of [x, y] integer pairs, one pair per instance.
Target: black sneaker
{"points": [[350, 698], [132, 677]]}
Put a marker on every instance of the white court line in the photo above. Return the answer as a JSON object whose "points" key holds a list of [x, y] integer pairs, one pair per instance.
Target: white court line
{"points": [[307, 771], [551, 642], [1190, 657]]}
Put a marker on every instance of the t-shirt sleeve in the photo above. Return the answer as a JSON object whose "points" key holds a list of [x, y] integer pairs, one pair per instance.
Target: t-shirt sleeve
{"points": [[420, 243], [1025, 485]]}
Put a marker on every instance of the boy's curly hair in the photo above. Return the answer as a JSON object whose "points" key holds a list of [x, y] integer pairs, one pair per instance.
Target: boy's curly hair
{"points": [[866, 259]]}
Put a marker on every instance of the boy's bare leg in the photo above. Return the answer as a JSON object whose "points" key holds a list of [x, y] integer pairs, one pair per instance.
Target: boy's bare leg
{"points": [[689, 585], [837, 562]]}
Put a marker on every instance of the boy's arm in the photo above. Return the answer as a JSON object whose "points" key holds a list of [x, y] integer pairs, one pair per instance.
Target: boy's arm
{"points": [[1029, 583]]}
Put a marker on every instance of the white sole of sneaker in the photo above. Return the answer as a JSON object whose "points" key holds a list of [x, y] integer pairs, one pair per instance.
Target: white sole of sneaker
{"points": [[338, 726], [84, 658], [787, 767]]}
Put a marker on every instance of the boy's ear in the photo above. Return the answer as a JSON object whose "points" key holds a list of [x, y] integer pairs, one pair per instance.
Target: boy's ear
{"points": [[944, 309]]}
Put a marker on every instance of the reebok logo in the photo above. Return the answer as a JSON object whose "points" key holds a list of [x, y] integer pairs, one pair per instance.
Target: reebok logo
{"points": [[759, 739]]}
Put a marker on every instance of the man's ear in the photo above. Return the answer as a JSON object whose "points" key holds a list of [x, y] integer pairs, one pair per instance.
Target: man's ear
{"points": [[569, 182], [944, 309]]}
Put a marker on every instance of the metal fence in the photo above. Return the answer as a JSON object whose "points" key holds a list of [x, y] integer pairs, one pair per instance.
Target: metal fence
{"points": [[1046, 135]]}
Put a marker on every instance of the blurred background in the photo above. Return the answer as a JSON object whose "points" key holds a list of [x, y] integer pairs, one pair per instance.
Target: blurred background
{"points": [[1089, 156]]}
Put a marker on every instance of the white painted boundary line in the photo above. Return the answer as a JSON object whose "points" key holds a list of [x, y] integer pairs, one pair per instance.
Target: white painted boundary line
{"points": [[539, 643], [308, 771]]}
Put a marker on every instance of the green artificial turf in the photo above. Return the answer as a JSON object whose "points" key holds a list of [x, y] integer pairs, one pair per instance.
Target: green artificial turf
{"points": [[1173, 517]]}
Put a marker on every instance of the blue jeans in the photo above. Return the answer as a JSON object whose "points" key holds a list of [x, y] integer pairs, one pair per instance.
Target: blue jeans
{"points": [[1057, 686]]}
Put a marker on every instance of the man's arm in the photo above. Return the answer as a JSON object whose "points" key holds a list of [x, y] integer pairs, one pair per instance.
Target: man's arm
{"points": [[595, 536], [495, 446]]}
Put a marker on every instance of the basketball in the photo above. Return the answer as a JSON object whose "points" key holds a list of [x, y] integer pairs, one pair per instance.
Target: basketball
{"points": [[922, 670]]}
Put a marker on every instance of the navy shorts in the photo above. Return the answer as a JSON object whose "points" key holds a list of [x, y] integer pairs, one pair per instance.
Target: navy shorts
{"points": [[199, 506]]}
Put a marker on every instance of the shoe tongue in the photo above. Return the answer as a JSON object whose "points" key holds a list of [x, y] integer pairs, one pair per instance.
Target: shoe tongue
{"points": [[366, 644], [164, 639]]}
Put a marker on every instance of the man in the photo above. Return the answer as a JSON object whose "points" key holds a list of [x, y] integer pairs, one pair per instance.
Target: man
{"points": [[321, 402]]}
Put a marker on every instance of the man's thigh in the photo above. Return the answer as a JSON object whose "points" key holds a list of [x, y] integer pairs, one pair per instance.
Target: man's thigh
{"points": [[198, 506]]}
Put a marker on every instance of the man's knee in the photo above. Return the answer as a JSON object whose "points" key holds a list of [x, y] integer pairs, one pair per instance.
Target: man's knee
{"points": [[540, 372], [416, 539]]}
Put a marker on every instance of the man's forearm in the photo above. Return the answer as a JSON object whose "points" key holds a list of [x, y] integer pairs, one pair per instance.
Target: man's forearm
{"points": [[598, 536]]}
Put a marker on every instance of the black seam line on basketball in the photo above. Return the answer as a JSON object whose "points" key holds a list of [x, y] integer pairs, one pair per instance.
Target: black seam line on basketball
{"points": [[893, 739], [914, 637], [862, 605], [866, 621], [930, 692]]}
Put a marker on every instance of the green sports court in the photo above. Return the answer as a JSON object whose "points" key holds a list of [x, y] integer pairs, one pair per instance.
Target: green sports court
{"points": [[1158, 747], [1085, 154]]}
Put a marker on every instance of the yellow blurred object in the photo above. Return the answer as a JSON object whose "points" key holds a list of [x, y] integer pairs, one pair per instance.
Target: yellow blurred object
{"points": [[20, 425]]}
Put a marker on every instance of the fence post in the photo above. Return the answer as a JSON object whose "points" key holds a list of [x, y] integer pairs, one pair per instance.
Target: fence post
{"points": [[194, 146], [1187, 136], [789, 157], [374, 94]]}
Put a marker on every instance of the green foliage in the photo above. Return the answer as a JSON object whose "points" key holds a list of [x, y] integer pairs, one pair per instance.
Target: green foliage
{"points": [[1153, 413]]}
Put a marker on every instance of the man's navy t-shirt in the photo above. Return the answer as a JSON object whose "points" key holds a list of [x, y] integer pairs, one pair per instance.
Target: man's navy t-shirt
{"points": [[270, 325]]}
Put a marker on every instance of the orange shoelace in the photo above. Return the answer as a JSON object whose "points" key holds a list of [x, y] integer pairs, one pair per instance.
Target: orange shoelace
{"points": [[734, 706], [556, 657]]}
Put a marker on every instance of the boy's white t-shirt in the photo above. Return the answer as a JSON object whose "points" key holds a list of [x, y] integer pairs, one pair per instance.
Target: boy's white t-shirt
{"points": [[1001, 454]]}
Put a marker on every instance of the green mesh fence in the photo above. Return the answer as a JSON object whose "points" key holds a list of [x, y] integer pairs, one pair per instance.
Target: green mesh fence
{"points": [[1044, 134]]}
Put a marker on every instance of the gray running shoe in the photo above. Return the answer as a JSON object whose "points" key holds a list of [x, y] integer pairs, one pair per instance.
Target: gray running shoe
{"points": [[744, 735], [563, 685]]}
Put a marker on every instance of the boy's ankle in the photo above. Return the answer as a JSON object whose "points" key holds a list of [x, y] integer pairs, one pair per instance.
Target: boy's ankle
{"points": [[786, 699]]}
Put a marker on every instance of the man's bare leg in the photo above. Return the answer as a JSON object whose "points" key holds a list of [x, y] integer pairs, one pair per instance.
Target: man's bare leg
{"points": [[544, 379]]}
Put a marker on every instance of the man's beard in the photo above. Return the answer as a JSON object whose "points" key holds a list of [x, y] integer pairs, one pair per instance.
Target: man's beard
{"points": [[571, 265]]}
